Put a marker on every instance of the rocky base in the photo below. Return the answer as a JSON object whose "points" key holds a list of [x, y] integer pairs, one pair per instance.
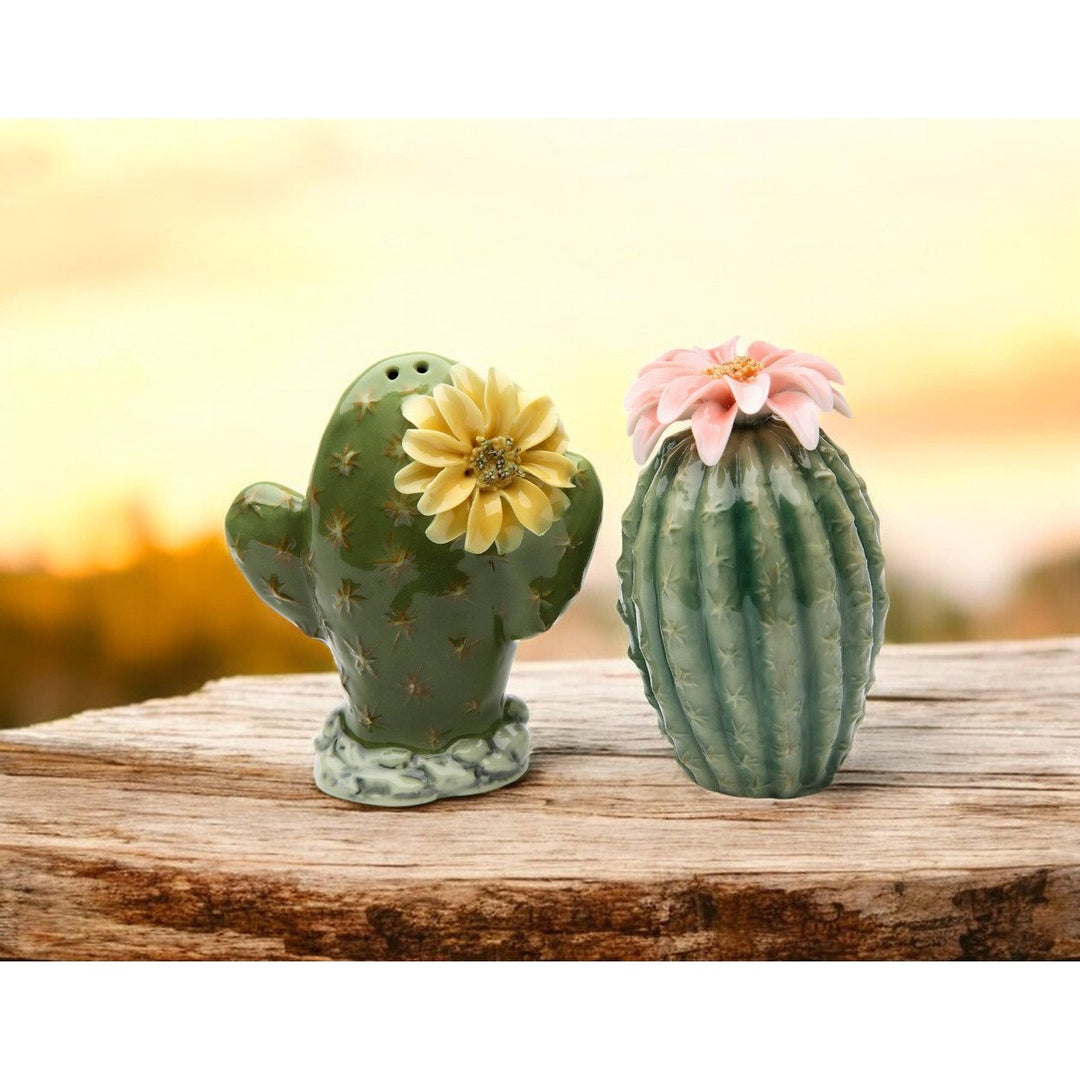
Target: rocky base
{"points": [[396, 776]]}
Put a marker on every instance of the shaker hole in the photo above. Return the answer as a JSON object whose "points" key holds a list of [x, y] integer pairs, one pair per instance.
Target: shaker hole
{"points": [[422, 367], [392, 373]]}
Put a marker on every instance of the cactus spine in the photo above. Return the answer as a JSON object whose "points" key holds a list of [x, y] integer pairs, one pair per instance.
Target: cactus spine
{"points": [[754, 595]]}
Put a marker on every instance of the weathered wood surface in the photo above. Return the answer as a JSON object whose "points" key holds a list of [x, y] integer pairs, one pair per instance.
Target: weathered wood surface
{"points": [[191, 828]]}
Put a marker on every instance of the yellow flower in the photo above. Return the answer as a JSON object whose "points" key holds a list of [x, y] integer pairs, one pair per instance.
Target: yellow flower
{"points": [[487, 460]]}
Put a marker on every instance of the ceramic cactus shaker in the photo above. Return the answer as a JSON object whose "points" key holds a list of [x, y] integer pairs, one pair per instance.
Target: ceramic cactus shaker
{"points": [[751, 571], [444, 522]]}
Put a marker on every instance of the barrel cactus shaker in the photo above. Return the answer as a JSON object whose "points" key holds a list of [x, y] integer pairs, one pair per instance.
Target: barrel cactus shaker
{"points": [[444, 522], [751, 571]]}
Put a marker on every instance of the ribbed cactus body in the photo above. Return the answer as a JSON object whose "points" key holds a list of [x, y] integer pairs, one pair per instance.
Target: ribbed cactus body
{"points": [[753, 592], [423, 634]]}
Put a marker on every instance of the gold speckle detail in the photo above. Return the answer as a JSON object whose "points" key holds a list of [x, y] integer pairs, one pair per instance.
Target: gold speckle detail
{"points": [[348, 593], [393, 449], [472, 705], [345, 462], [458, 590], [363, 658], [250, 502], [539, 594], [434, 736], [404, 622], [400, 511], [277, 589], [362, 404], [337, 529], [369, 718], [462, 646], [286, 549], [415, 687], [396, 562]]}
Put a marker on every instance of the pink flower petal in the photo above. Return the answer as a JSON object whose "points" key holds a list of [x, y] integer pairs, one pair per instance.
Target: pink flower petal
{"points": [[814, 363], [697, 356], [651, 382], [758, 350], [646, 408], [678, 396], [647, 390], [722, 353], [665, 358], [773, 360], [688, 359], [750, 395], [652, 377], [840, 404], [646, 436], [632, 418], [711, 426], [811, 383], [800, 414], [674, 356]]}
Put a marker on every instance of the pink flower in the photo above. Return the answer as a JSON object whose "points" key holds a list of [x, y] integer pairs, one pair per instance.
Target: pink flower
{"points": [[711, 387]]}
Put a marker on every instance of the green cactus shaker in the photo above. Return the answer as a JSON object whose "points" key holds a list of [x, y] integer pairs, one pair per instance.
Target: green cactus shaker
{"points": [[444, 522], [751, 571]]}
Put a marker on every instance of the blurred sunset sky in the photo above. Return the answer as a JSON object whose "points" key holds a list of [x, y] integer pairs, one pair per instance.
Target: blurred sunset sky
{"points": [[182, 303]]}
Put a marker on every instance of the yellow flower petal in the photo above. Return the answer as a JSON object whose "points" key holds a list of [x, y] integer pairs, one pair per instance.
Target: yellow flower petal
{"points": [[500, 404], [534, 423], [509, 538], [434, 448], [460, 412], [424, 413], [414, 477], [469, 383], [553, 469], [531, 506], [485, 521], [448, 525], [450, 488], [555, 443], [560, 502]]}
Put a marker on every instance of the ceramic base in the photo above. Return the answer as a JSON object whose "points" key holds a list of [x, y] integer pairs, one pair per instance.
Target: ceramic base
{"points": [[396, 776]]}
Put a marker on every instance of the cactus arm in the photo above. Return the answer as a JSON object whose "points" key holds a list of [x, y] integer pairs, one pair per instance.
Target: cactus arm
{"points": [[579, 526], [561, 555], [267, 533]]}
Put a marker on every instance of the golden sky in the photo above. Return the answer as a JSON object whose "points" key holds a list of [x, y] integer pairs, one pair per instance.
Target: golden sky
{"points": [[181, 303]]}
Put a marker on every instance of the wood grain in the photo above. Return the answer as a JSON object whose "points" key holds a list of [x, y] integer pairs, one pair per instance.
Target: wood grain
{"points": [[190, 827]]}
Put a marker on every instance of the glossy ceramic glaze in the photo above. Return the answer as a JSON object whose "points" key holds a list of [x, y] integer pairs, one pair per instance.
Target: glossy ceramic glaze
{"points": [[754, 595], [423, 634]]}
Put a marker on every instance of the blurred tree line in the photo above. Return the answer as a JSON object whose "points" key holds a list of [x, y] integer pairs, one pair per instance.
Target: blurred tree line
{"points": [[164, 625], [175, 618]]}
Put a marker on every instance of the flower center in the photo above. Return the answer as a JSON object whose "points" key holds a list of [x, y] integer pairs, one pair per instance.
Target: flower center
{"points": [[496, 462], [742, 369]]}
